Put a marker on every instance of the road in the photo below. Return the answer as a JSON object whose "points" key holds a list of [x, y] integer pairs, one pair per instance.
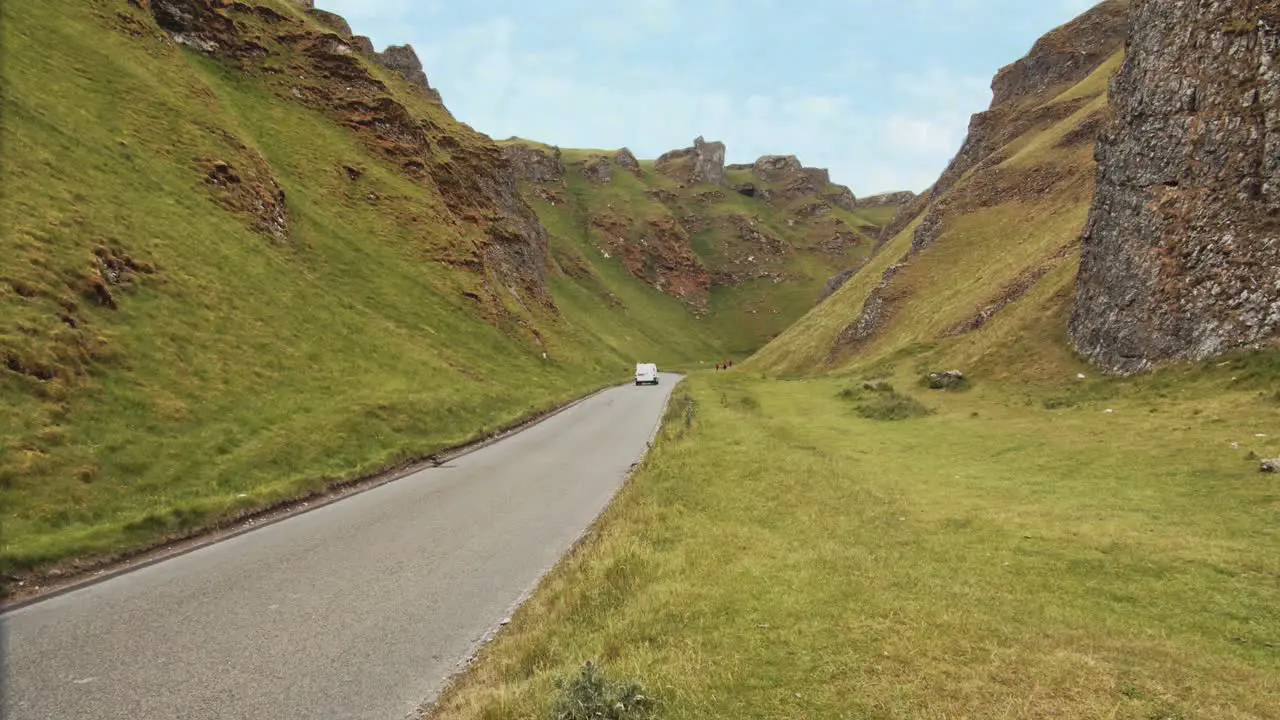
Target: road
{"points": [[358, 609]]}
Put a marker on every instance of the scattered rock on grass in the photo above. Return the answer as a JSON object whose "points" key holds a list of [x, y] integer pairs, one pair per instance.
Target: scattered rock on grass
{"points": [[1270, 465], [945, 380]]}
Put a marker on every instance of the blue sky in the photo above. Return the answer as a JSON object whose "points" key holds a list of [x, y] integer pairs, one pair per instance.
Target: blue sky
{"points": [[878, 92]]}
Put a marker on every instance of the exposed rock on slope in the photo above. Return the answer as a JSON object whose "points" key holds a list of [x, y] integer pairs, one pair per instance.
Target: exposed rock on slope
{"points": [[627, 161], [332, 20], [403, 59], [891, 199], [702, 163], [687, 239], [1065, 55], [533, 163], [474, 182], [789, 180], [1001, 224], [1062, 58], [1182, 251]]}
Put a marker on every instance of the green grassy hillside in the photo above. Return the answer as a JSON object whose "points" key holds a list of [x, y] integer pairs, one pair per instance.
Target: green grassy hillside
{"points": [[230, 280], [991, 292], [742, 268]]}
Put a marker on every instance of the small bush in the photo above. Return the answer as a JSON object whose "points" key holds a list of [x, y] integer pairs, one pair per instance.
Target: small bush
{"points": [[861, 391], [893, 406], [590, 695], [881, 402]]}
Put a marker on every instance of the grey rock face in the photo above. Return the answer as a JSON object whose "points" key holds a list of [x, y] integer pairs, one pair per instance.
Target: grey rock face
{"points": [[704, 162], [1060, 56], [534, 164], [598, 170], [626, 160], [875, 311], [890, 199], [364, 45], [842, 198], [836, 282], [775, 167], [402, 59], [1182, 250], [331, 20], [708, 161]]}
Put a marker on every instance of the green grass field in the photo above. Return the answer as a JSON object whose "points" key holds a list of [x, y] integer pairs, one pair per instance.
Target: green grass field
{"points": [[1018, 552]]}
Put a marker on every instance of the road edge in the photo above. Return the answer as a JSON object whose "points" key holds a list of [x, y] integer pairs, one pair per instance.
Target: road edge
{"points": [[427, 708], [99, 570]]}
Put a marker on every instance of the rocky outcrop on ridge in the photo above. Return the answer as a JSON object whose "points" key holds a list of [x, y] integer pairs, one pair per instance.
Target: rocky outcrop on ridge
{"points": [[701, 163]]}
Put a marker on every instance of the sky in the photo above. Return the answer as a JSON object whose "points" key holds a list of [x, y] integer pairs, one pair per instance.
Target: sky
{"points": [[878, 92]]}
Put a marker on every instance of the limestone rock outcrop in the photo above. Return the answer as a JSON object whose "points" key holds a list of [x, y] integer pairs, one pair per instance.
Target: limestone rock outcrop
{"points": [[1182, 249], [702, 163]]}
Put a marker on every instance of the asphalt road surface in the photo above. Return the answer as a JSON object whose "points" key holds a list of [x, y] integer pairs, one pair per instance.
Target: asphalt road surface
{"points": [[358, 609]]}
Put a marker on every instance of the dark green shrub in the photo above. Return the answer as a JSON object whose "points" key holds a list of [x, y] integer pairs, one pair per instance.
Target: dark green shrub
{"points": [[590, 695]]}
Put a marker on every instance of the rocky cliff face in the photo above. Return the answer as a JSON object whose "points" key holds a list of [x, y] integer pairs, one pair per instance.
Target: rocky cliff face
{"points": [[533, 163], [1182, 250], [784, 178], [702, 163], [1064, 55]]}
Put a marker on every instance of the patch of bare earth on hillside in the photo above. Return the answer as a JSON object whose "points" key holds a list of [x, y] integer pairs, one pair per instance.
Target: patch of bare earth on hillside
{"points": [[248, 188], [879, 307], [657, 251]]}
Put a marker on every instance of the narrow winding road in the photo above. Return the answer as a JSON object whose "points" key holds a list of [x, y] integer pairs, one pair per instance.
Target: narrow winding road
{"points": [[358, 609]]}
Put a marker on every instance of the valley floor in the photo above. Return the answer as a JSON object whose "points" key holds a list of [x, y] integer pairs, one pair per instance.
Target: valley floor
{"points": [[1101, 548]]}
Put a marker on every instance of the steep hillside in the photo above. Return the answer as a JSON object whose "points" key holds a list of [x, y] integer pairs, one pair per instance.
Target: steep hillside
{"points": [[979, 270], [746, 249], [246, 255]]}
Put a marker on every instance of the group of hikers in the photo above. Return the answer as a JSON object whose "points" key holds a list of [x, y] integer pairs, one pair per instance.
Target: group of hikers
{"points": [[724, 365]]}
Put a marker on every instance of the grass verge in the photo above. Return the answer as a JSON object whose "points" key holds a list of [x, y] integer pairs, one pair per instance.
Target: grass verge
{"points": [[779, 556]]}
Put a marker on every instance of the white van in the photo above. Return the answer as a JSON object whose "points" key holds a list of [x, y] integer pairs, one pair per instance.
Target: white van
{"points": [[646, 374]]}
